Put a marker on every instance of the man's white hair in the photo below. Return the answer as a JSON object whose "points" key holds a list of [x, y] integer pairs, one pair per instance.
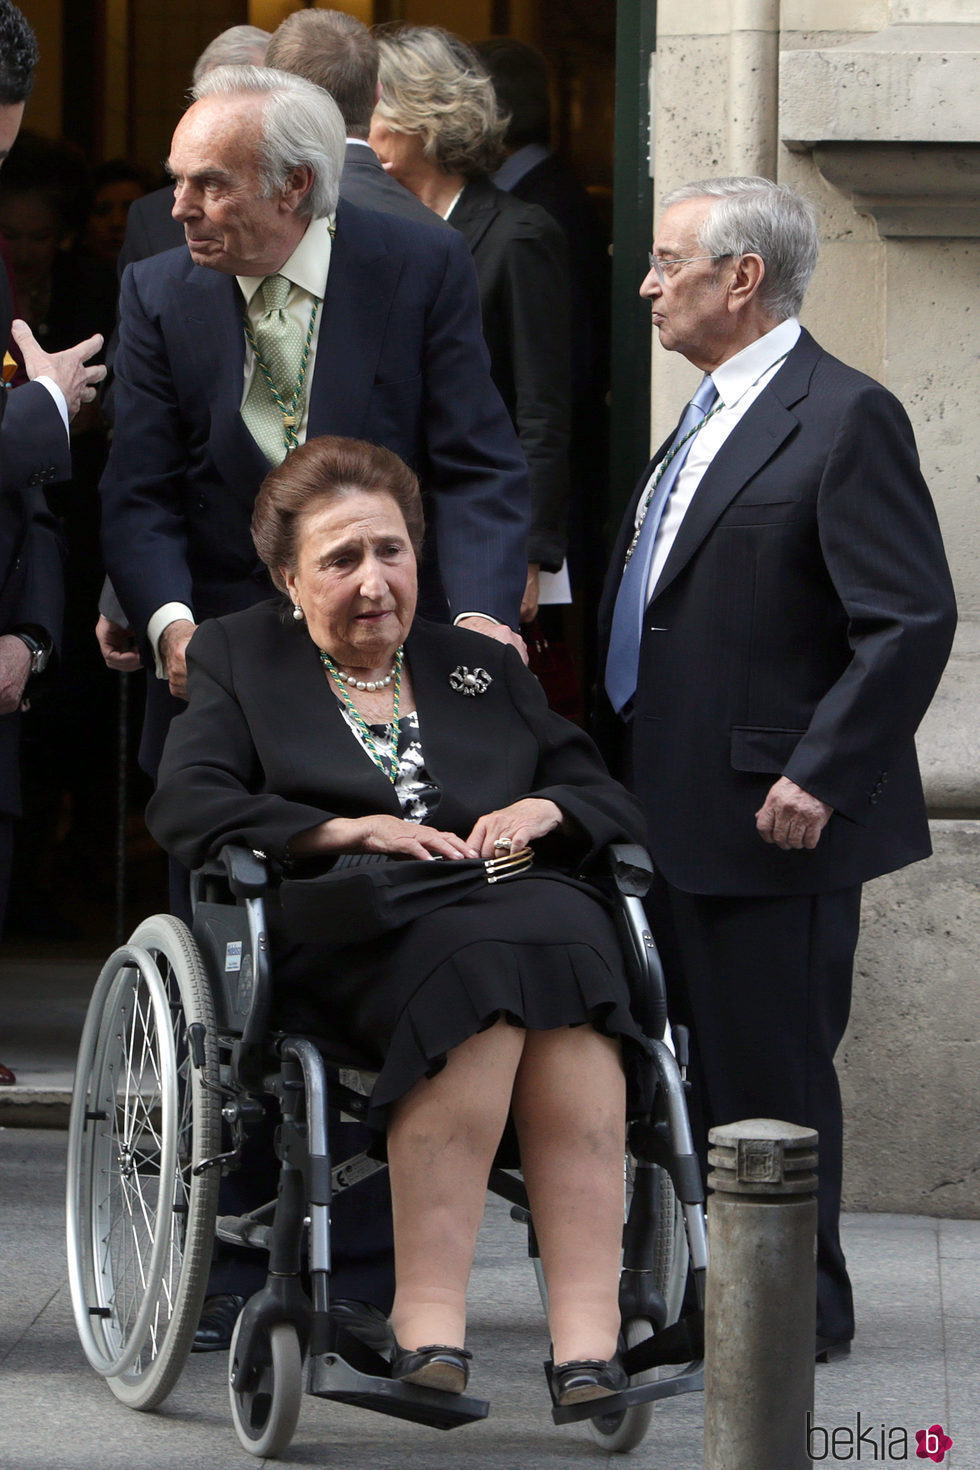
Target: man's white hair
{"points": [[301, 124], [753, 216]]}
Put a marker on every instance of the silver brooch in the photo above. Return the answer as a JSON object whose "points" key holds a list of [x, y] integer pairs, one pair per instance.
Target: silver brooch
{"points": [[469, 681]]}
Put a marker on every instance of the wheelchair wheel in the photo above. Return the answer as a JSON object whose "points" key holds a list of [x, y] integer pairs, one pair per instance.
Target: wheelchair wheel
{"points": [[622, 1432], [267, 1412], [140, 1222]]}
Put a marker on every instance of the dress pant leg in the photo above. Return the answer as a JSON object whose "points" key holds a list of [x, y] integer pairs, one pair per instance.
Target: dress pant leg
{"points": [[764, 985]]}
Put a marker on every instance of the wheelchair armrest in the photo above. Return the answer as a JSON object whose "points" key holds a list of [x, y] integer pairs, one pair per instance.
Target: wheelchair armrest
{"points": [[247, 871], [631, 868]]}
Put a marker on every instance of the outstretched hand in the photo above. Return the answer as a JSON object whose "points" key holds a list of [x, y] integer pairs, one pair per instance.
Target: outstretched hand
{"points": [[68, 369]]}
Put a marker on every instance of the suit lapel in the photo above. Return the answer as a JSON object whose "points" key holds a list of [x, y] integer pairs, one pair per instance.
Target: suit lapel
{"points": [[751, 444], [475, 211], [356, 310]]}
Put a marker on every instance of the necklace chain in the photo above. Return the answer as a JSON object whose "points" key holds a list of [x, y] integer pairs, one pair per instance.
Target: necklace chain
{"points": [[661, 471], [387, 765]]}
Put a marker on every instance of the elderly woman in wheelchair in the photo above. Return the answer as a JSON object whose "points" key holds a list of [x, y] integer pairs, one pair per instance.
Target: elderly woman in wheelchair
{"points": [[481, 987]]}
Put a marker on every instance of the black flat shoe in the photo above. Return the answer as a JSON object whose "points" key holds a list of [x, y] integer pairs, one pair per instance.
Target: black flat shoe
{"points": [[217, 1323], [366, 1322], [445, 1368], [587, 1378], [832, 1350]]}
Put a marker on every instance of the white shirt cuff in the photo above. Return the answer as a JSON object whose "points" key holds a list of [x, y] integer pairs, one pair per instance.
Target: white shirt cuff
{"points": [[61, 403], [460, 616], [171, 612]]}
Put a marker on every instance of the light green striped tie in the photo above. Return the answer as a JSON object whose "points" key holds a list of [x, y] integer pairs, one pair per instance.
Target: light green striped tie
{"points": [[280, 343]]}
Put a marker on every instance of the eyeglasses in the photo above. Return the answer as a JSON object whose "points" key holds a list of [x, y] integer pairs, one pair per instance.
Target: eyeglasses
{"points": [[665, 268]]}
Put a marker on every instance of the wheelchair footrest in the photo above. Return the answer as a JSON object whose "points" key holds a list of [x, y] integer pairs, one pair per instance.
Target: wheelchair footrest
{"points": [[330, 1377], [688, 1380]]}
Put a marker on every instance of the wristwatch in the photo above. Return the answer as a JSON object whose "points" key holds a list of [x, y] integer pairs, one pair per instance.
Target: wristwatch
{"points": [[40, 651]]}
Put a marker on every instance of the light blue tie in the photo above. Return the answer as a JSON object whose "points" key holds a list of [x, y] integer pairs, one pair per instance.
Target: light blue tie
{"points": [[627, 623]]}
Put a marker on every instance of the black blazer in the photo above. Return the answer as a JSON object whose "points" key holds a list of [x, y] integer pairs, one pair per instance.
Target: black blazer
{"points": [[34, 452], [800, 627], [262, 751], [400, 361], [521, 264]]}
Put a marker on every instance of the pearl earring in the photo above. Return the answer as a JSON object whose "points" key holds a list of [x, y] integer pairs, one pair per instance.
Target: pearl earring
{"points": [[297, 613]]}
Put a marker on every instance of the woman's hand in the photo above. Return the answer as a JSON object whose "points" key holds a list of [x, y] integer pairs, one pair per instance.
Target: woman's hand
{"points": [[521, 823], [380, 833]]}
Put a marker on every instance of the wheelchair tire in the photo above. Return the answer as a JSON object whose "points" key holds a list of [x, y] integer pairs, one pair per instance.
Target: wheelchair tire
{"points": [[619, 1433], [266, 1414], [140, 1221]]}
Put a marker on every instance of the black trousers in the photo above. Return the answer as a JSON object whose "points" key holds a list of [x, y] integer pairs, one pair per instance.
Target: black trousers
{"points": [[764, 984]]}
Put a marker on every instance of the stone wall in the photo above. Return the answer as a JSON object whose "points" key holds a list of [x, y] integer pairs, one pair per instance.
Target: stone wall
{"points": [[870, 108]]}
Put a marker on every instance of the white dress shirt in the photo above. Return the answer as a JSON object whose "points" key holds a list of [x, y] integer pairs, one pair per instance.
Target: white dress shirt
{"points": [[739, 382], [307, 270]]}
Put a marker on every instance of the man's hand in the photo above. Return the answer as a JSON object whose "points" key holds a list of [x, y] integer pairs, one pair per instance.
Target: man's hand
{"points": [[790, 817], [173, 645], [500, 631], [532, 592], [76, 381], [117, 646], [15, 668]]}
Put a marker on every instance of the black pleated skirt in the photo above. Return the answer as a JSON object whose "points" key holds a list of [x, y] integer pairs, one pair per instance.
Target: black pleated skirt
{"points": [[540, 951]]}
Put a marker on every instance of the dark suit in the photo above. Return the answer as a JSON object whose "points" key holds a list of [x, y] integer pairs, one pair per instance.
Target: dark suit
{"points": [[522, 266], [799, 628], [34, 452], [364, 182], [400, 361]]}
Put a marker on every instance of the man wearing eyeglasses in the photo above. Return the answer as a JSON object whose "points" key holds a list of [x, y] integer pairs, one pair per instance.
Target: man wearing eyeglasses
{"points": [[777, 614]]}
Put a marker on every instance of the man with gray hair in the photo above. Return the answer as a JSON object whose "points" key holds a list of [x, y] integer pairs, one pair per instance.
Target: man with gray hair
{"points": [[777, 616], [389, 315]]}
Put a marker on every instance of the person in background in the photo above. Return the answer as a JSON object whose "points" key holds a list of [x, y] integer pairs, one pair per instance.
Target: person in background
{"points": [[538, 174], [33, 452], [116, 186], [64, 843], [338, 53], [777, 616], [438, 131]]}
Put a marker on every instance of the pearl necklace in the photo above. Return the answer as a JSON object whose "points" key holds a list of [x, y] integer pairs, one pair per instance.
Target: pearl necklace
{"points": [[368, 685]]}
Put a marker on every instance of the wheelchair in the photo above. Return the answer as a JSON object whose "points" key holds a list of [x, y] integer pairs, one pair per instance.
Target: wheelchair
{"points": [[177, 1057]]}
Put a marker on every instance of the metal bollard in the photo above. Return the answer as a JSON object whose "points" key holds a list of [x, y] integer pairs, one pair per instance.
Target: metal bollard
{"points": [[760, 1308]]}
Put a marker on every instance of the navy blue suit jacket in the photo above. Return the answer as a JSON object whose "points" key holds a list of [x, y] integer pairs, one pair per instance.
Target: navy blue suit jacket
{"points": [[799, 628], [34, 452], [400, 361]]}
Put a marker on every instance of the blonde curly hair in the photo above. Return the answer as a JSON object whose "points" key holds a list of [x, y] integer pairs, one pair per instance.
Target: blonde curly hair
{"points": [[436, 86]]}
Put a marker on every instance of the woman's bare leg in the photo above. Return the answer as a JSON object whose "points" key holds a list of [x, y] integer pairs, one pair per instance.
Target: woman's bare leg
{"points": [[569, 1108], [442, 1137]]}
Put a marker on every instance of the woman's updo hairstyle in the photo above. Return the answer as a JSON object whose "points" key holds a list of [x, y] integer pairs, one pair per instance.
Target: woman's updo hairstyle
{"points": [[318, 473]]}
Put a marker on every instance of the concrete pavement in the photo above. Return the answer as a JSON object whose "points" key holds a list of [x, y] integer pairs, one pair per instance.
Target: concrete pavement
{"points": [[916, 1361]]}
